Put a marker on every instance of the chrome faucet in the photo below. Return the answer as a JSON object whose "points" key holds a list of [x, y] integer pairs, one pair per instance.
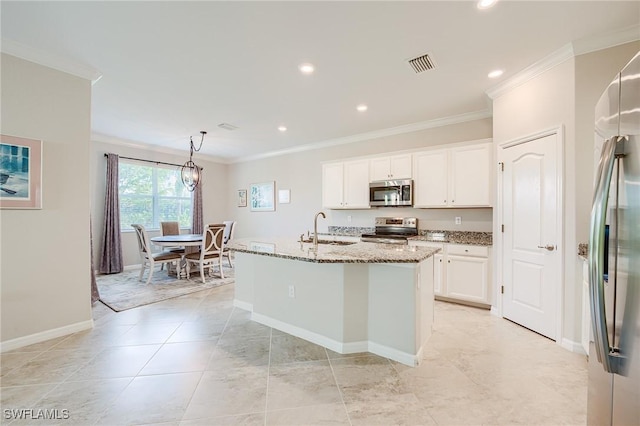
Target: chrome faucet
{"points": [[315, 228]]}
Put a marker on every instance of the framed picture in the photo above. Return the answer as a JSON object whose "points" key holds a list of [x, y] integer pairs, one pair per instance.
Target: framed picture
{"points": [[284, 196], [20, 173], [242, 198], [261, 197]]}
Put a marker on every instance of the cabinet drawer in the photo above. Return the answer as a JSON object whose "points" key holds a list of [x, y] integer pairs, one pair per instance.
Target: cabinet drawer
{"points": [[468, 250]]}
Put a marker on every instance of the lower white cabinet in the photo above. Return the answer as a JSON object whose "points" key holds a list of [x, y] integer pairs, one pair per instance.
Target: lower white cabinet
{"points": [[461, 271]]}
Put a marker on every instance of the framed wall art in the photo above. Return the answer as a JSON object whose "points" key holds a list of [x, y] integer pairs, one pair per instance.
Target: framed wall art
{"points": [[242, 198], [284, 196], [262, 197], [20, 173]]}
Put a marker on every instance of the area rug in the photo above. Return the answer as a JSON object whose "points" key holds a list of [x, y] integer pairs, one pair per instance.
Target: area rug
{"points": [[123, 291]]}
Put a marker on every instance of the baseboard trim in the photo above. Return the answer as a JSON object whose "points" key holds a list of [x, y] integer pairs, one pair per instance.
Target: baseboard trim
{"points": [[31, 339], [573, 346], [243, 305], [339, 347]]}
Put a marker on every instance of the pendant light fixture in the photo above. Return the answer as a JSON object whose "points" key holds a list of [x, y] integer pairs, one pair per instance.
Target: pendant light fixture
{"points": [[190, 172]]}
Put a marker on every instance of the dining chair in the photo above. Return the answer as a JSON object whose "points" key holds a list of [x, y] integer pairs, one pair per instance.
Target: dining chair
{"points": [[147, 257], [210, 250], [171, 228], [229, 230]]}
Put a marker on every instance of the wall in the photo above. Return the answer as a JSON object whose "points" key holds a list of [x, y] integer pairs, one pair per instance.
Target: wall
{"points": [[214, 181], [45, 275], [564, 95], [302, 173]]}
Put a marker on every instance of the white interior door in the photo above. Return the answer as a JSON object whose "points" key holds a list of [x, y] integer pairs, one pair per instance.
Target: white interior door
{"points": [[531, 259]]}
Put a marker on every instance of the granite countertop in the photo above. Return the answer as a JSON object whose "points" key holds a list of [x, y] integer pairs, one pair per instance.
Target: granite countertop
{"points": [[583, 250], [456, 237], [360, 252], [451, 237]]}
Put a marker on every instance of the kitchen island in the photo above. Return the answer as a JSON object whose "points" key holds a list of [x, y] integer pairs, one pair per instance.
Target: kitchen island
{"points": [[347, 297]]}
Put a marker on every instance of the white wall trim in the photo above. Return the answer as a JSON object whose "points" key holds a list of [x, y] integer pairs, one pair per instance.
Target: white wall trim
{"points": [[568, 51], [339, 347], [50, 60], [243, 305], [573, 346], [99, 137], [31, 339], [394, 354], [532, 71], [605, 41], [408, 128]]}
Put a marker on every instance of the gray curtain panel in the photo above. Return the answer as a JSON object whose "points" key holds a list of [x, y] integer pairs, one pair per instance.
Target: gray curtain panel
{"points": [[111, 259], [197, 226], [95, 294]]}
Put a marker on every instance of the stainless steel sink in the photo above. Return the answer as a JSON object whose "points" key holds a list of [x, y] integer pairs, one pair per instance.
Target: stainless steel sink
{"points": [[332, 243]]}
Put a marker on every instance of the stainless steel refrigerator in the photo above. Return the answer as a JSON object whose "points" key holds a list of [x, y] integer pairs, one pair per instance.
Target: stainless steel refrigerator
{"points": [[614, 256]]}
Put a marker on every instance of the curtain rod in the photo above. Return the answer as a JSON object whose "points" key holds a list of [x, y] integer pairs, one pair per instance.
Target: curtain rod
{"points": [[151, 161]]}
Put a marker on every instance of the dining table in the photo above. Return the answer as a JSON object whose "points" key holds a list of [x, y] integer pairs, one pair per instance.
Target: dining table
{"points": [[178, 240]]}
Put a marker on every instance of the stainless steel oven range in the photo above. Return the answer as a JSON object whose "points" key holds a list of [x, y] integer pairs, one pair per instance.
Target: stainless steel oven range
{"points": [[393, 230]]}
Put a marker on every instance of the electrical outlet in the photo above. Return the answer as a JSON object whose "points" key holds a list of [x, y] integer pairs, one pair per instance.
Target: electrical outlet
{"points": [[349, 218], [458, 220], [292, 291]]}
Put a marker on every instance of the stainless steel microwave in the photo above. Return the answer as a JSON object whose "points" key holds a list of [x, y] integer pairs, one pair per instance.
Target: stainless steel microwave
{"points": [[391, 193]]}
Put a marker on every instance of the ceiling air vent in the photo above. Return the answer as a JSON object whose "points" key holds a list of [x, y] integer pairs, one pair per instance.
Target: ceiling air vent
{"points": [[421, 63], [227, 126]]}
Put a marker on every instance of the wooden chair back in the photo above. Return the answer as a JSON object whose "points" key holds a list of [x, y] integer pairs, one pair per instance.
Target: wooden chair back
{"points": [[143, 239], [229, 228], [170, 228], [212, 240]]}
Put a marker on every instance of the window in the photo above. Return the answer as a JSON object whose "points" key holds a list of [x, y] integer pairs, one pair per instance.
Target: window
{"points": [[150, 194]]}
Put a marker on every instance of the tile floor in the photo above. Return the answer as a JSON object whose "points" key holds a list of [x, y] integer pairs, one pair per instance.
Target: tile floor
{"points": [[196, 360]]}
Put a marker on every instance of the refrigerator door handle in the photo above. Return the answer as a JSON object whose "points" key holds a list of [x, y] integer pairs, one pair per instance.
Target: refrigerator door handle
{"points": [[606, 355]]}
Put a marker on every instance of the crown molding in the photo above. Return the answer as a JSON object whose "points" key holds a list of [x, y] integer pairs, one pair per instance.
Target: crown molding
{"points": [[50, 60], [408, 128], [611, 39], [532, 71], [568, 51], [102, 138]]}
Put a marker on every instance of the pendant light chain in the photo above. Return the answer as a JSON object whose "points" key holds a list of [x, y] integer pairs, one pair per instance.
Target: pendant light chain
{"points": [[190, 172]]}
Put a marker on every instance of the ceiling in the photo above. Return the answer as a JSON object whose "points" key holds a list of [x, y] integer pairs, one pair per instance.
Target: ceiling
{"points": [[172, 69]]}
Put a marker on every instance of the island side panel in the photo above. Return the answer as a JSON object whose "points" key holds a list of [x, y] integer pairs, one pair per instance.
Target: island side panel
{"points": [[244, 280], [316, 312], [425, 305], [356, 311], [401, 310], [392, 310]]}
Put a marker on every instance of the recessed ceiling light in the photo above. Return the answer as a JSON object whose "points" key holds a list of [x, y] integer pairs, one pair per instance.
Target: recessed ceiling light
{"points": [[282, 128], [486, 4], [495, 74], [362, 107], [306, 68]]}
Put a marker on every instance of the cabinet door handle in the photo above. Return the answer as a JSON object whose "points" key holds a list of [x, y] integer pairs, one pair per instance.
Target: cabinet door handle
{"points": [[549, 247]]}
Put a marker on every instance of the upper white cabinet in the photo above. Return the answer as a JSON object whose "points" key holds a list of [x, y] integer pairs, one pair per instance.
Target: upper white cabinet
{"points": [[454, 177], [431, 179], [345, 185], [393, 167]]}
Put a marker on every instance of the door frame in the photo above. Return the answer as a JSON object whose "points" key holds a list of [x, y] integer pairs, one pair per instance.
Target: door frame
{"points": [[499, 243]]}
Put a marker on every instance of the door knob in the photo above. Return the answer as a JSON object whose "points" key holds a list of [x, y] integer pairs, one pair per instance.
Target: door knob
{"points": [[549, 247]]}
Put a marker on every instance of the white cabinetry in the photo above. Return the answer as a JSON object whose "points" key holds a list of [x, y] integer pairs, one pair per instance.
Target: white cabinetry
{"points": [[461, 272], [454, 177], [393, 167], [467, 273], [431, 179], [345, 185]]}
